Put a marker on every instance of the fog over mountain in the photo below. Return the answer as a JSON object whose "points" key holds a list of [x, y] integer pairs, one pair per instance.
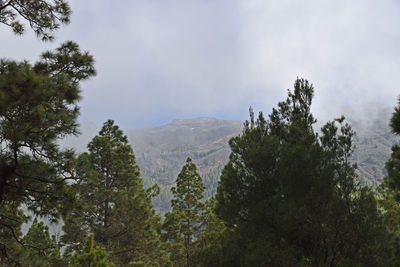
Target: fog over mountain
{"points": [[158, 60]]}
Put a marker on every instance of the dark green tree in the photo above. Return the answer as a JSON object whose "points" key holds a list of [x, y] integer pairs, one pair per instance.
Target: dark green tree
{"points": [[184, 223], [91, 256], [112, 203], [172, 237], [38, 105], [212, 243], [392, 181], [395, 120], [289, 196], [44, 17], [390, 190], [40, 248]]}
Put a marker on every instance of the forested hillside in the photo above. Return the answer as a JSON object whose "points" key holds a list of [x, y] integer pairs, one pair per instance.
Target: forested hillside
{"points": [[279, 189], [160, 151]]}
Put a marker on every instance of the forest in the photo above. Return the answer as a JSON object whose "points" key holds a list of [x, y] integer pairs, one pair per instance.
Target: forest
{"points": [[288, 196]]}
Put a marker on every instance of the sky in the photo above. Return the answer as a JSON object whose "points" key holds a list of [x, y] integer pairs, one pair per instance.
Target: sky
{"points": [[175, 59]]}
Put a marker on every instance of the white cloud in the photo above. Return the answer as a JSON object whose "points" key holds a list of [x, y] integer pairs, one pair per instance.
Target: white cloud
{"points": [[162, 59]]}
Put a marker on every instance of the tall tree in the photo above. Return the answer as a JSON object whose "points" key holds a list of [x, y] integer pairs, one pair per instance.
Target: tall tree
{"points": [[392, 180], [390, 189], [112, 202], [44, 16], [289, 195], [184, 223], [38, 105]]}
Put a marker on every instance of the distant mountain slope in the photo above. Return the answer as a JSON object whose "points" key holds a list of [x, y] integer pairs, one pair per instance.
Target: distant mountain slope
{"points": [[162, 151], [373, 142]]}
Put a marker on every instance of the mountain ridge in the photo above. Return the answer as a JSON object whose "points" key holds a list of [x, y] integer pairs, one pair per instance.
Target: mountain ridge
{"points": [[161, 151]]}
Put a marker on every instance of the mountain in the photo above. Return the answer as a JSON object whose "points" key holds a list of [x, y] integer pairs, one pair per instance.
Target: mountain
{"points": [[162, 151], [373, 142]]}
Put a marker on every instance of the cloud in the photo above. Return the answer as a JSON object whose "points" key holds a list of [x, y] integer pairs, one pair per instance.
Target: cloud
{"points": [[159, 60]]}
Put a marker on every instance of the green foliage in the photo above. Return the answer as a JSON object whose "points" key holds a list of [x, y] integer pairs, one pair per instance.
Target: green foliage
{"points": [[188, 195], [184, 223], [390, 192], [36, 248], [395, 120], [163, 201], [161, 151], [40, 248], [91, 256], [38, 105], [393, 168], [172, 236], [212, 243], [112, 202], [210, 180], [392, 181], [44, 17], [290, 197]]}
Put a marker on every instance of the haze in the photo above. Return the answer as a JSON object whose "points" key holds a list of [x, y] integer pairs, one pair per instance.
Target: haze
{"points": [[160, 60]]}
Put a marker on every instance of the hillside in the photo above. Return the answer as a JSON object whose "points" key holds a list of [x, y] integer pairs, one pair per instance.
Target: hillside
{"points": [[161, 151], [373, 142]]}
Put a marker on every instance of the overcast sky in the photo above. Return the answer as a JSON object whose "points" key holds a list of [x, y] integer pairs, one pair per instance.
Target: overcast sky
{"points": [[163, 59]]}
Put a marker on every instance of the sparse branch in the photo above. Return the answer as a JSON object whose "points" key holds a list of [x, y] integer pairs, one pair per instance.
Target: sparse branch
{"points": [[43, 16], [6, 5]]}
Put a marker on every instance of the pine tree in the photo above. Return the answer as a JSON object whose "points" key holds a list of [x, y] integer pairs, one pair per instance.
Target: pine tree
{"points": [[40, 249], [44, 17], [38, 105], [112, 202], [211, 245], [91, 256], [184, 223], [392, 181], [289, 196], [390, 190], [395, 120]]}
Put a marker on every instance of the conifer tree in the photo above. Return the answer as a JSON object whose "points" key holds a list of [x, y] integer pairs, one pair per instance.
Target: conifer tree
{"points": [[289, 196], [112, 203], [44, 17], [41, 248], [37, 248], [91, 256], [211, 245], [38, 105], [395, 120], [390, 190], [392, 180], [184, 223]]}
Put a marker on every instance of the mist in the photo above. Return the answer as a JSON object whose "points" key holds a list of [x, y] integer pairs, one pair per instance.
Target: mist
{"points": [[157, 61]]}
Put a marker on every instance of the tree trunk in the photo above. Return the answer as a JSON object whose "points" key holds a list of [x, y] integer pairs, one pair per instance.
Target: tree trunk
{"points": [[106, 211], [187, 241]]}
